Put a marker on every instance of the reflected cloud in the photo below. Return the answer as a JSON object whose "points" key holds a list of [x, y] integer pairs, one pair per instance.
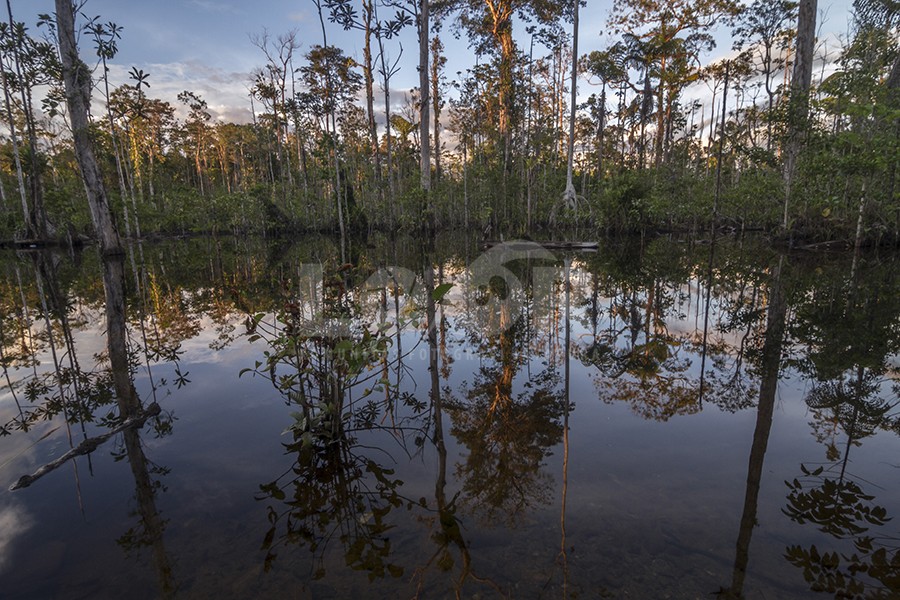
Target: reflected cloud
{"points": [[14, 521]]}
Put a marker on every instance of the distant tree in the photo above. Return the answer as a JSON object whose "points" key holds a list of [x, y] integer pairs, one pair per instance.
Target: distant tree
{"points": [[28, 64], [343, 13], [274, 85], [607, 66], [198, 129], [763, 28]]}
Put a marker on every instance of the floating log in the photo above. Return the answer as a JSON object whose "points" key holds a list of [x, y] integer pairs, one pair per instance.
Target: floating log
{"points": [[86, 447], [526, 245]]}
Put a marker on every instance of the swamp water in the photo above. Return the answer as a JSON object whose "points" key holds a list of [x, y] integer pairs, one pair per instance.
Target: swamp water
{"points": [[680, 421]]}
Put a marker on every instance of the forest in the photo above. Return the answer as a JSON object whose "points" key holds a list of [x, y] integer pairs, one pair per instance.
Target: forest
{"points": [[791, 140]]}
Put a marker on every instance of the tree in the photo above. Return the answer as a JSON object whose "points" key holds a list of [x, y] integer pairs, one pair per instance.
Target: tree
{"points": [[424, 101], [569, 196], [489, 22], [763, 27], [77, 79], [197, 126], [438, 61], [272, 86], [343, 13], [675, 32], [33, 63], [798, 104]]}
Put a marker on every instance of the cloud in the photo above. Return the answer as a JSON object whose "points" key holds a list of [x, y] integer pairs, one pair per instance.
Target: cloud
{"points": [[14, 521], [298, 17], [216, 7], [225, 91]]}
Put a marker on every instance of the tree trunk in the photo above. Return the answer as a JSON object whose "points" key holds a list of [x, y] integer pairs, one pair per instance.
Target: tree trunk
{"points": [[503, 35], [798, 109], [76, 77], [368, 15], [569, 194], [436, 47], [424, 101]]}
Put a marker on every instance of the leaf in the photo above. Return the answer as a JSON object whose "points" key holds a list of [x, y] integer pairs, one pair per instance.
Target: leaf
{"points": [[440, 291]]}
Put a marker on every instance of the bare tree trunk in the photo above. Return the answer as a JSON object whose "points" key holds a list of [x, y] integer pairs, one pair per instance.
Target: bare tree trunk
{"points": [[424, 100], [368, 16], [569, 195], [436, 64], [799, 100], [77, 79]]}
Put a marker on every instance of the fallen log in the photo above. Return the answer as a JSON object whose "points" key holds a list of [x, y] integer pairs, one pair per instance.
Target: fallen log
{"points": [[87, 446], [519, 244]]}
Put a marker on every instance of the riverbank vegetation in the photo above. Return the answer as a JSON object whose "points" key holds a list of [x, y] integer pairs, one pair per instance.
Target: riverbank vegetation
{"points": [[790, 137]]}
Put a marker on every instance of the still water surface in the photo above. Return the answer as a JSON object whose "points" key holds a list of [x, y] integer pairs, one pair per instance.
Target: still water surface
{"points": [[679, 421]]}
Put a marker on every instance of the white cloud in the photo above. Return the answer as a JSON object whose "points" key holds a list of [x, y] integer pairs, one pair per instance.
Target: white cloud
{"points": [[14, 521], [226, 92]]}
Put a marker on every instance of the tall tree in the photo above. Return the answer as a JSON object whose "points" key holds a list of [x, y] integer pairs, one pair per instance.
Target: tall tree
{"points": [[424, 99], [77, 80], [798, 107], [420, 12], [676, 31], [33, 63], [197, 126], [763, 27], [606, 65], [569, 196], [438, 61], [272, 85], [489, 22], [343, 13]]}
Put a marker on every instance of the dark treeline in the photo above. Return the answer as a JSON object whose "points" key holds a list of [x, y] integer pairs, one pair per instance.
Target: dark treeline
{"points": [[788, 139]]}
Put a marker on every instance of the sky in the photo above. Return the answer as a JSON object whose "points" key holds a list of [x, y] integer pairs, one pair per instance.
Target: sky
{"points": [[204, 45]]}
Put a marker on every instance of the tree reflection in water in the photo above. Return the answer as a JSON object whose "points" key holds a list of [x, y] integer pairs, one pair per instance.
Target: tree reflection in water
{"points": [[850, 394], [770, 368], [508, 435], [80, 396], [327, 360], [484, 431]]}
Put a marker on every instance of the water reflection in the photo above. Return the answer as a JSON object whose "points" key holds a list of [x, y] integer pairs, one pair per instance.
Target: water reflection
{"points": [[441, 422], [850, 395], [770, 366], [81, 397], [325, 360]]}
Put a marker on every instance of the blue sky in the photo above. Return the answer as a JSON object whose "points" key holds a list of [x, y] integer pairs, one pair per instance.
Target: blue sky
{"points": [[204, 45]]}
